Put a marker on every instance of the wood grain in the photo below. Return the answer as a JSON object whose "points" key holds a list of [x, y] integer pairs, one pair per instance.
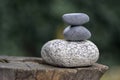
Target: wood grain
{"points": [[32, 68]]}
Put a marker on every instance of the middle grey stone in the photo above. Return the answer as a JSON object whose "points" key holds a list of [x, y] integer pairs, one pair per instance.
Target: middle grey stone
{"points": [[76, 33]]}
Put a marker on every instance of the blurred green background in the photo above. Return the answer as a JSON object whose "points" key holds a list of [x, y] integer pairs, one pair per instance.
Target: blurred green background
{"points": [[26, 25]]}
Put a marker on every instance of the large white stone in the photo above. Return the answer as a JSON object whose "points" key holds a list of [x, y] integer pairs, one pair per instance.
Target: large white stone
{"points": [[70, 54], [75, 18]]}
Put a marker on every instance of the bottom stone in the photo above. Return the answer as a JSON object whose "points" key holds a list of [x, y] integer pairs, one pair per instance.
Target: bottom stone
{"points": [[64, 53], [30, 68]]}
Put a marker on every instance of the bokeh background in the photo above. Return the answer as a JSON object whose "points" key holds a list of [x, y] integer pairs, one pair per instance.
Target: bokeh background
{"points": [[26, 25]]}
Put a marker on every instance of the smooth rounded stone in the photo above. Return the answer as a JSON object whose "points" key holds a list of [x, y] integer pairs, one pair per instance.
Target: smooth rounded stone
{"points": [[70, 54], [75, 18], [76, 33]]}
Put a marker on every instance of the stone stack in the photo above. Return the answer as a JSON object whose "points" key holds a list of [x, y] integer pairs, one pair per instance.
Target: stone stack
{"points": [[75, 50], [76, 32]]}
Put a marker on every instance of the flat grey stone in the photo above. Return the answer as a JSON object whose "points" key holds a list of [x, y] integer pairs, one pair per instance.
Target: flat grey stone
{"points": [[76, 33], [75, 18], [70, 54]]}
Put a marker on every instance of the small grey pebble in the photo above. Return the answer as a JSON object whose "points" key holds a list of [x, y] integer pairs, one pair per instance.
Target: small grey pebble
{"points": [[76, 33], [75, 18], [70, 54]]}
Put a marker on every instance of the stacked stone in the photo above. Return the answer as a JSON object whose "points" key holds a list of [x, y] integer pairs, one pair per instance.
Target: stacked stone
{"points": [[76, 32], [75, 50]]}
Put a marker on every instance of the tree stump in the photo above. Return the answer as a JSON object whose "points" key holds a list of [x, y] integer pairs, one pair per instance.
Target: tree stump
{"points": [[31, 68]]}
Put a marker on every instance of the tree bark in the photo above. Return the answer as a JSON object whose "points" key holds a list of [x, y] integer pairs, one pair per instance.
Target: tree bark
{"points": [[32, 68]]}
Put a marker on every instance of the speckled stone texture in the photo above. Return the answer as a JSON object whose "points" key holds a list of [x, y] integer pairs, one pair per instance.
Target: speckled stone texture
{"points": [[70, 54], [76, 33], [75, 18]]}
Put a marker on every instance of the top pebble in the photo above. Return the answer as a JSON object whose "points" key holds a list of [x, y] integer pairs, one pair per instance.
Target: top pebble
{"points": [[75, 18]]}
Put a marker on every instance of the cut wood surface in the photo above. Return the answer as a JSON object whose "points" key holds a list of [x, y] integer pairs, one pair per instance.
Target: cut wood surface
{"points": [[32, 68]]}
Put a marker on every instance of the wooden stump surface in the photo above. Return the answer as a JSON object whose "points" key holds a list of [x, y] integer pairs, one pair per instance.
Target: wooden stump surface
{"points": [[32, 68]]}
